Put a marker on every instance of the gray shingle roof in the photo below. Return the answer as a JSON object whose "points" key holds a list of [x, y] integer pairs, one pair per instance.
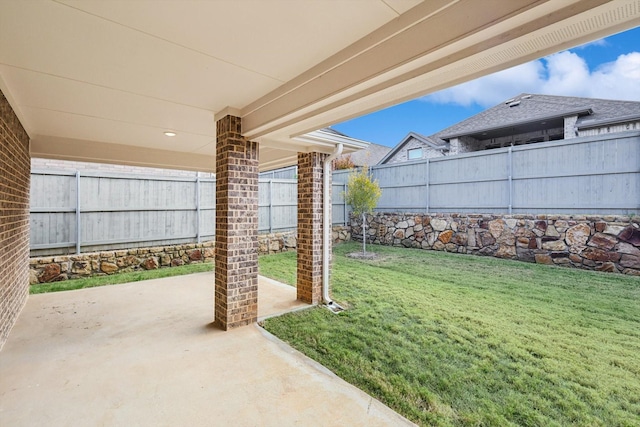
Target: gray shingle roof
{"points": [[433, 141], [369, 156], [532, 108], [333, 131]]}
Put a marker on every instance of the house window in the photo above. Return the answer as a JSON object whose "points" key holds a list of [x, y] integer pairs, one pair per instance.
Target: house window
{"points": [[414, 153]]}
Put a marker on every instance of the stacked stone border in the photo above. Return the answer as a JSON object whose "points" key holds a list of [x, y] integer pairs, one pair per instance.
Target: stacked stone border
{"points": [[603, 243], [64, 267]]}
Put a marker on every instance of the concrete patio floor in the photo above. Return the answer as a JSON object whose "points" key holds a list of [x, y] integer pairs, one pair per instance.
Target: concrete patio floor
{"points": [[145, 354]]}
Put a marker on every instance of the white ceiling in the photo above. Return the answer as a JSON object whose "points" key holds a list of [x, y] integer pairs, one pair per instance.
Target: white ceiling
{"points": [[91, 78]]}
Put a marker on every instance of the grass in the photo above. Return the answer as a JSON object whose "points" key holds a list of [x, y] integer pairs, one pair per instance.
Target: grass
{"points": [[114, 279], [280, 267], [455, 340]]}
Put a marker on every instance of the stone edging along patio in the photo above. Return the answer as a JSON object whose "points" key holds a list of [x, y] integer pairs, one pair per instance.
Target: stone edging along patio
{"points": [[603, 243], [62, 267]]}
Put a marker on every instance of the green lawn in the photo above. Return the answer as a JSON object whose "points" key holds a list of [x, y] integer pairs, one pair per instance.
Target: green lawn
{"points": [[450, 339]]}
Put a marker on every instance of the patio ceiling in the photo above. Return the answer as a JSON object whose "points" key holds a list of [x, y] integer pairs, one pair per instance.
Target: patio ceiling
{"points": [[103, 80]]}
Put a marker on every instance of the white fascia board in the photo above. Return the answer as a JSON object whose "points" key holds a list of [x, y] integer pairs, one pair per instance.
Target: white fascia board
{"points": [[322, 141]]}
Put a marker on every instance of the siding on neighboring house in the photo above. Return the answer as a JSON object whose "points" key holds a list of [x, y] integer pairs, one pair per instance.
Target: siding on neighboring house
{"points": [[428, 152], [603, 130]]}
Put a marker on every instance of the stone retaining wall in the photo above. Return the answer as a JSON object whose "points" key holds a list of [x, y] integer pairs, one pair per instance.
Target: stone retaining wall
{"points": [[63, 267], [604, 243]]}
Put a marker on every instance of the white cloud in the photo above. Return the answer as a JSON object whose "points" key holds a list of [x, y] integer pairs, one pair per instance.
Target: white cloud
{"points": [[567, 74], [494, 88], [617, 80], [599, 43], [564, 73]]}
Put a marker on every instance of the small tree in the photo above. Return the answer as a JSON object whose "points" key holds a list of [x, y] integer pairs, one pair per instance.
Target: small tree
{"points": [[362, 194]]}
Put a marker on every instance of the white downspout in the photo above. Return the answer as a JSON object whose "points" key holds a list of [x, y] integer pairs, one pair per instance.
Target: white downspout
{"points": [[326, 221]]}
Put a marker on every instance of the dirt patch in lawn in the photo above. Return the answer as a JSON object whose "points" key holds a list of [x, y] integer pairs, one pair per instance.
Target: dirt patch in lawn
{"points": [[367, 255]]}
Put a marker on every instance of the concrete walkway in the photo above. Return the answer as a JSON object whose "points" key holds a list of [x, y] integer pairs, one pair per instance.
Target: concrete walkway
{"points": [[145, 354]]}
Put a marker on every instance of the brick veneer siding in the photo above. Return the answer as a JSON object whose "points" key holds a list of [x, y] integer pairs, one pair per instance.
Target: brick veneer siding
{"points": [[14, 218], [236, 249], [309, 277]]}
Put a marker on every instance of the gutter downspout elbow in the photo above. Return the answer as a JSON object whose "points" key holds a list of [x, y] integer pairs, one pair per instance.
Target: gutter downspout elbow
{"points": [[326, 221]]}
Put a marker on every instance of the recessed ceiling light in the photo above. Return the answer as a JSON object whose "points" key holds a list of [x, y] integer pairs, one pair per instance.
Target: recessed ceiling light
{"points": [[169, 133]]}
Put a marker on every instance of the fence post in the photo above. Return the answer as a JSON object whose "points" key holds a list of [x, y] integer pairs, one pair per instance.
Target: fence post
{"points": [[344, 204], [271, 206], [510, 182], [198, 235], [427, 185], [78, 221]]}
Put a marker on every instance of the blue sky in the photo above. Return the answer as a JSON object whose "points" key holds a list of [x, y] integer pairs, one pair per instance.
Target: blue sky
{"points": [[608, 68]]}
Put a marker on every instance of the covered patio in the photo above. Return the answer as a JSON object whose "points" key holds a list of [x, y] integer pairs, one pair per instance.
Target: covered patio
{"points": [[147, 354], [230, 87]]}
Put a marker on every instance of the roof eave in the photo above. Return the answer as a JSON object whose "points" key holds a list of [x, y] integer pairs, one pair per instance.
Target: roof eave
{"points": [[611, 121], [584, 111], [322, 138]]}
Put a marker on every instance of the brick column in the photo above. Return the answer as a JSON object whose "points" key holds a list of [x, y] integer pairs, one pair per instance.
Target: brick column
{"points": [[236, 258], [310, 227]]}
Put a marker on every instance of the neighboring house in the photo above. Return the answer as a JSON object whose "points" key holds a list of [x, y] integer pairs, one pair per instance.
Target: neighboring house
{"points": [[525, 119], [416, 147], [369, 156]]}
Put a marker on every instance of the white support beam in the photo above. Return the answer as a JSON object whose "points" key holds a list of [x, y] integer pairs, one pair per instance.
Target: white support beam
{"points": [[51, 147], [432, 46]]}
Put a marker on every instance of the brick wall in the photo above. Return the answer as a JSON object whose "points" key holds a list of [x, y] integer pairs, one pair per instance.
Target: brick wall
{"points": [[14, 217], [570, 127]]}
